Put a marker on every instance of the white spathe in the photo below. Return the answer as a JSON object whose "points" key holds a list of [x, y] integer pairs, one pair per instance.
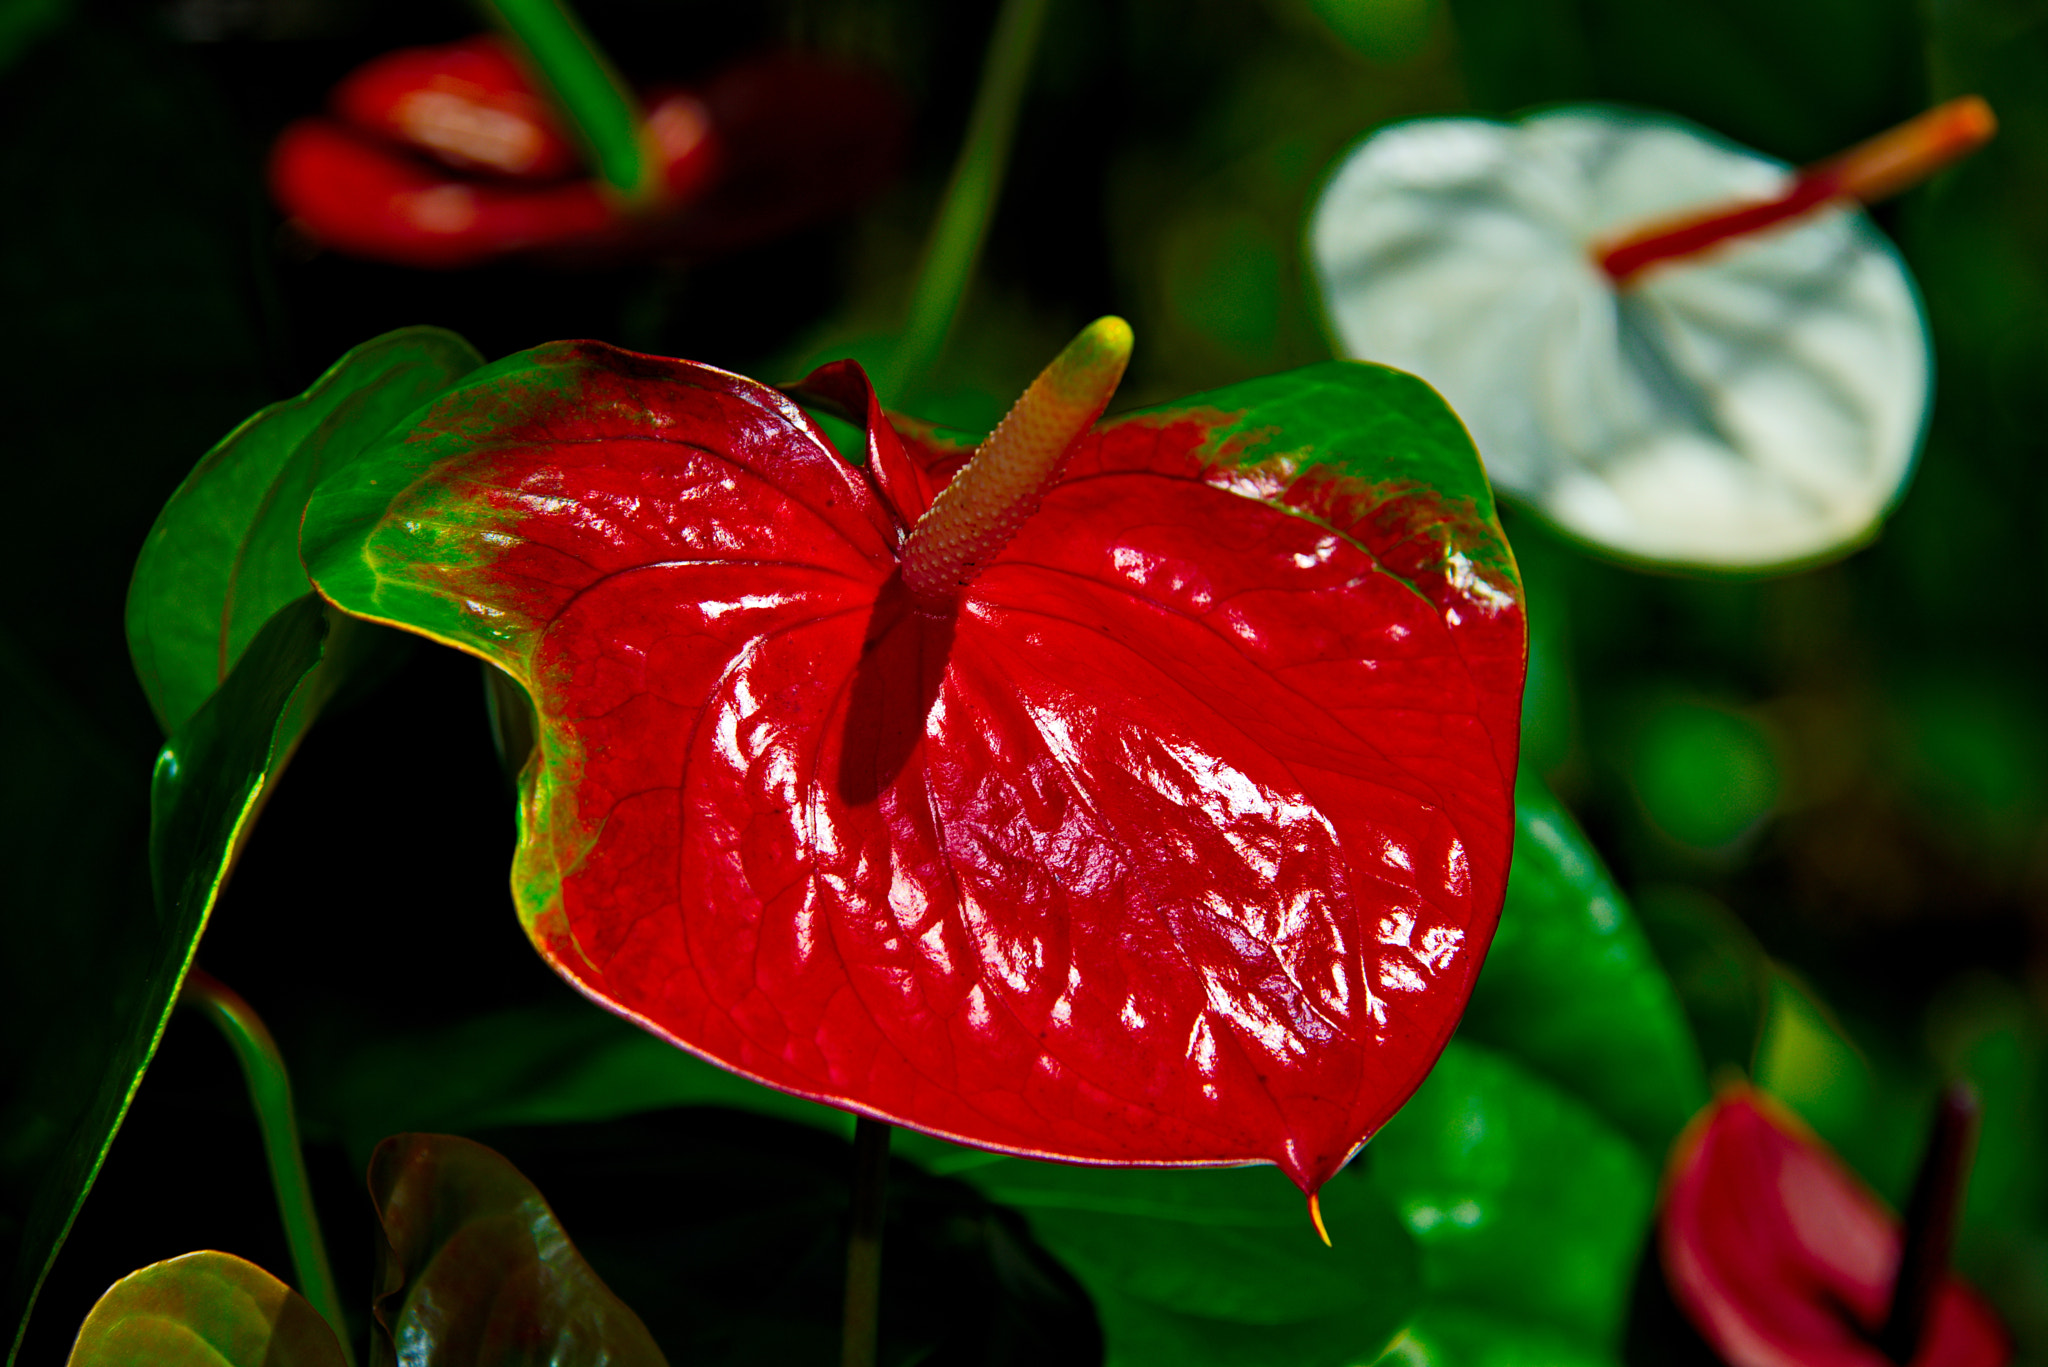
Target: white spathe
{"points": [[1759, 405]]}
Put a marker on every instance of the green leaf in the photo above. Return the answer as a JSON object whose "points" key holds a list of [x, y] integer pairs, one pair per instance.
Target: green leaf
{"points": [[1524, 1202], [1572, 988], [1219, 1267], [210, 778], [223, 556], [204, 1310], [542, 1065], [475, 1269], [1721, 974]]}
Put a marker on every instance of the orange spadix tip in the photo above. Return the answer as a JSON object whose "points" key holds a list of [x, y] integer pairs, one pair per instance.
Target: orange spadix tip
{"points": [[1895, 160], [1315, 1213], [1904, 156], [975, 516]]}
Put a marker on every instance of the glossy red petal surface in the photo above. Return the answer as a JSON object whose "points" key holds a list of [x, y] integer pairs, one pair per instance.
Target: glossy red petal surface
{"points": [[1783, 1258], [1181, 842], [467, 104]]}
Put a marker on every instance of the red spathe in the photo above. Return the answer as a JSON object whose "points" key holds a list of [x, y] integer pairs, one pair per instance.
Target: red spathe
{"points": [[1181, 841], [1782, 1258]]}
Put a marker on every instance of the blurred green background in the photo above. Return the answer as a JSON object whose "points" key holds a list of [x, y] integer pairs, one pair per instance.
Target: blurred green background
{"points": [[1829, 788]]}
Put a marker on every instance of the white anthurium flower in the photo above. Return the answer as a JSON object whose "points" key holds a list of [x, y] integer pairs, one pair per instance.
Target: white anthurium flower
{"points": [[1757, 405]]}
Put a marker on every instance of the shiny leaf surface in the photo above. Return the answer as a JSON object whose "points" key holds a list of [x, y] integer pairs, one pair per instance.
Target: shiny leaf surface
{"points": [[1525, 1203], [1781, 1256], [209, 780], [1180, 841], [223, 556], [1573, 989], [204, 1310], [475, 1269]]}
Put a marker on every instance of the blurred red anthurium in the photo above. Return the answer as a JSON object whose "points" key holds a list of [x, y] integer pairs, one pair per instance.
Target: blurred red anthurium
{"points": [[448, 157], [1781, 1257], [1132, 792]]}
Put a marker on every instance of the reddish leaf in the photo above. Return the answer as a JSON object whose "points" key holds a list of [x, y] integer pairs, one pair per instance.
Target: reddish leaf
{"points": [[1782, 1258], [1179, 842], [474, 1270]]}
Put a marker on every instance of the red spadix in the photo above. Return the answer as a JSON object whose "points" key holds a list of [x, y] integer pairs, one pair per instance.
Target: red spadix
{"points": [[1885, 165]]}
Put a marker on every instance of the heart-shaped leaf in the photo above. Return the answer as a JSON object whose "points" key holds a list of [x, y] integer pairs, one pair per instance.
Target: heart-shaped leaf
{"points": [[1754, 408], [223, 556], [204, 1310], [1179, 841], [1573, 989], [210, 779], [475, 1270]]}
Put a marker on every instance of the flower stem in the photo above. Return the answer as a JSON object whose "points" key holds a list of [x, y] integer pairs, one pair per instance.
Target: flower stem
{"points": [[270, 1093], [1888, 163], [1931, 1214], [600, 108], [861, 1336], [962, 224]]}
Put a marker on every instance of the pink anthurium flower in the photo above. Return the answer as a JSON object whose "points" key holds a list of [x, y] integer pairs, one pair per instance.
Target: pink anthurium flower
{"points": [[1781, 1257]]}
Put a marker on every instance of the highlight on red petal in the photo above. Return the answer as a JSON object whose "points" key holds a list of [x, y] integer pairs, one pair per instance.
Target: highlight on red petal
{"points": [[679, 128], [1781, 1257], [357, 195], [467, 104], [1179, 840]]}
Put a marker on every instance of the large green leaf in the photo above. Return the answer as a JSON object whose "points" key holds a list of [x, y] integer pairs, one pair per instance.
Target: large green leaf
{"points": [[1526, 1204], [204, 1310], [223, 556], [475, 1270], [210, 778], [1219, 1266], [1572, 988]]}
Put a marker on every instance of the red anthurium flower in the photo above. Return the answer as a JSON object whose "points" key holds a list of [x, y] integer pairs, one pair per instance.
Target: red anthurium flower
{"points": [[448, 156], [1140, 793], [1782, 1258]]}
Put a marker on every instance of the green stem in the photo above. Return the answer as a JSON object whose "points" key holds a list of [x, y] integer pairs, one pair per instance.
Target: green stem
{"points": [[861, 1334], [270, 1093], [962, 226], [600, 108]]}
